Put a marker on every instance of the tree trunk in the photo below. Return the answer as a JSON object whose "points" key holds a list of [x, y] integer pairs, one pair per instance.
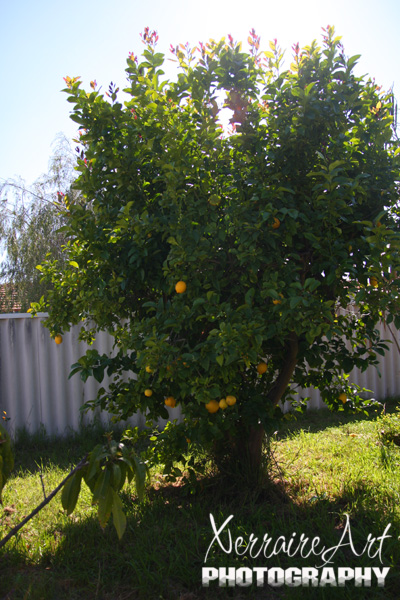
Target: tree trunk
{"points": [[242, 455], [256, 462], [253, 449], [255, 439], [286, 372]]}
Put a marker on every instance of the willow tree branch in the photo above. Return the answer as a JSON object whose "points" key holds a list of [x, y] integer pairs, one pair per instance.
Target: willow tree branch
{"points": [[15, 529]]}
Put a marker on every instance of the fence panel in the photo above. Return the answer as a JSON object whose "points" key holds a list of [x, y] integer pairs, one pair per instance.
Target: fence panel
{"points": [[34, 387], [35, 390]]}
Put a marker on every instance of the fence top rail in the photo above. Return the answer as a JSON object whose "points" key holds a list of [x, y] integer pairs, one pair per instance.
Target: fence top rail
{"points": [[22, 316]]}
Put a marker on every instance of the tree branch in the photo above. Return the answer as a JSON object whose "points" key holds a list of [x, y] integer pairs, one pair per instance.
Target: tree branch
{"points": [[15, 529], [285, 375]]}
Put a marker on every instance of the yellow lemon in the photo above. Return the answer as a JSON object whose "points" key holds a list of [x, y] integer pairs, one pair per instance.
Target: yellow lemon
{"points": [[58, 339], [149, 369], [212, 406], [373, 281], [276, 223], [148, 393], [222, 404], [343, 397], [230, 400], [262, 366], [170, 401], [180, 287]]}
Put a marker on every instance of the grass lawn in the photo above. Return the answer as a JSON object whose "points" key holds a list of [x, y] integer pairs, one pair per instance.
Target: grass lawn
{"points": [[323, 467]]}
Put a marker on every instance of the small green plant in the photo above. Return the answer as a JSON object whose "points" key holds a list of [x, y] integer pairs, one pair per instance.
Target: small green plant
{"points": [[389, 428], [107, 469]]}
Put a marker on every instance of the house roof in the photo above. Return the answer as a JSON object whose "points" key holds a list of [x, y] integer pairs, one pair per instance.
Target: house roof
{"points": [[8, 299]]}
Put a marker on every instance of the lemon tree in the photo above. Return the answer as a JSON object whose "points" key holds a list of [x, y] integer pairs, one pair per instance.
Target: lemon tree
{"points": [[236, 231]]}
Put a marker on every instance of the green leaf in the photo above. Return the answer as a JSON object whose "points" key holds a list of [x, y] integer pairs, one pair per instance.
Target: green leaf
{"points": [[249, 296], [220, 360], [102, 485], [214, 200], [149, 304], [77, 118], [285, 189], [297, 92], [116, 476], [335, 165], [309, 88], [353, 59], [70, 492], [119, 518], [98, 374], [309, 337], [94, 463], [198, 302], [311, 284], [347, 364], [73, 263], [294, 301], [105, 506]]}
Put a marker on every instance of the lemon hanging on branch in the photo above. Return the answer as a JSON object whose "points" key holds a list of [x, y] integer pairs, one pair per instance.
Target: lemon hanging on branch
{"points": [[180, 287], [212, 406], [261, 368]]}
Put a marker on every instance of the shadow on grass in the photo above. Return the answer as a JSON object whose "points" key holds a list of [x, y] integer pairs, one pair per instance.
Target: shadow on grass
{"points": [[163, 551], [168, 536], [34, 452]]}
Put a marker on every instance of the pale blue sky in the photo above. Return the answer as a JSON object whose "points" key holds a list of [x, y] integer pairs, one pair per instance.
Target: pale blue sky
{"points": [[43, 41]]}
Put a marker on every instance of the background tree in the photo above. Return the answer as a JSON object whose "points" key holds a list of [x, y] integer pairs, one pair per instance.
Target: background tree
{"points": [[231, 265], [29, 228]]}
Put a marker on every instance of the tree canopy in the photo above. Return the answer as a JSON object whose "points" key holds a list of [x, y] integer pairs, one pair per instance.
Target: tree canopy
{"points": [[271, 193]]}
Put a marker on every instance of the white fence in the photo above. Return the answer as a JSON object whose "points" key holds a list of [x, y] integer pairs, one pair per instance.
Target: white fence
{"points": [[35, 390], [34, 387]]}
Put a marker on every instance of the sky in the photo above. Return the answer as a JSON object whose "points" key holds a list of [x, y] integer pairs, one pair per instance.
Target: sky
{"points": [[43, 41]]}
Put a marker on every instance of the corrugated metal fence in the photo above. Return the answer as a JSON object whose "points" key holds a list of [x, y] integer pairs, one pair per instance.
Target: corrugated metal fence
{"points": [[34, 387], [35, 390]]}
